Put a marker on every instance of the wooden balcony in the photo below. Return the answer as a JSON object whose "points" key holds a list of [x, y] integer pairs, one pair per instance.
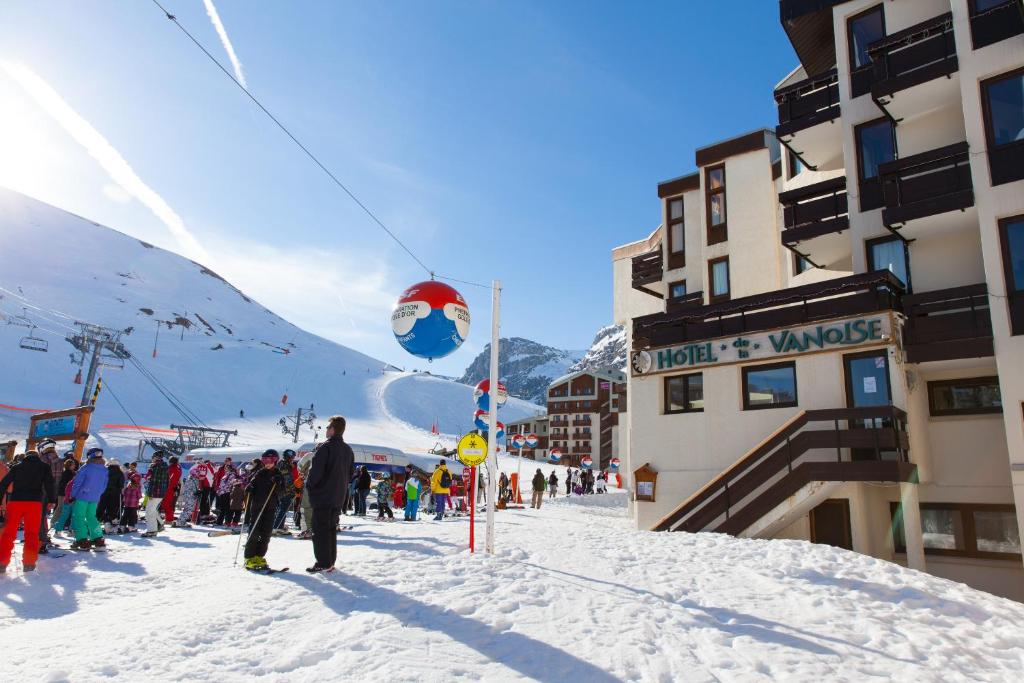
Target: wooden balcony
{"points": [[647, 268], [688, 300], [1002, 22], [948, 324], [814, 217], [913, 56], [926, 184], [581, 423], [807, 103]]}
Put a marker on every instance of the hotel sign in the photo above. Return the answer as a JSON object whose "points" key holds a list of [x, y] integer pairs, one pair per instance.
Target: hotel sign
{"points": [[829, 336]]}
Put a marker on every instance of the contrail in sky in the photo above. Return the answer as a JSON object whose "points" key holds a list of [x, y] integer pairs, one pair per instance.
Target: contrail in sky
{"points": [[228, 47], [108, 157]]}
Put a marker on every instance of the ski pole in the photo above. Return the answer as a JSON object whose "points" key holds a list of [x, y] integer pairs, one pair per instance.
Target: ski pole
{"points": [[257, 520]]}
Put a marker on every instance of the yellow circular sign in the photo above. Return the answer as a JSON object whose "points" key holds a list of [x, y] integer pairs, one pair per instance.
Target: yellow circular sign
{"points": [[472, 450]]}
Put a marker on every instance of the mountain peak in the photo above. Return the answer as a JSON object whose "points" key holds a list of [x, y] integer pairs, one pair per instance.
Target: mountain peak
{"points": [[526, 367]]}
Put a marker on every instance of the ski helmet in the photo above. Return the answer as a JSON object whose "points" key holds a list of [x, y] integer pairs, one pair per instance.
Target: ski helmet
{"points": [[269, 456], [47, 445], [94, 454], [158, 454], [289, 453]]}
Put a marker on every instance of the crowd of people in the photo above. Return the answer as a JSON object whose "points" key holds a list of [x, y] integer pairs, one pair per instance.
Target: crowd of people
{"points": [[43, 492]]}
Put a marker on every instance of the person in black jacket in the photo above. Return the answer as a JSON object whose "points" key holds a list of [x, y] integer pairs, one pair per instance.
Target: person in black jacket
{"points": [[32, 490], [363, 483], [329, 476], [109, 509], [264, 491]]}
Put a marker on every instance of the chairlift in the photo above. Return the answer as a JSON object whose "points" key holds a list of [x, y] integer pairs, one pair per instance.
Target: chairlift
{"points": [[34, 343], [111, 360], [21, 320]]}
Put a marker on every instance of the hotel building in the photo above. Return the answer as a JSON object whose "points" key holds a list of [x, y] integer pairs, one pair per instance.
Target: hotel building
{"points": [[827, 330], [583, 416]]}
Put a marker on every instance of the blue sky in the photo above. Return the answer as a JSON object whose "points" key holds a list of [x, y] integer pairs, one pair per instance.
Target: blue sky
{"points": [[539, 128]]}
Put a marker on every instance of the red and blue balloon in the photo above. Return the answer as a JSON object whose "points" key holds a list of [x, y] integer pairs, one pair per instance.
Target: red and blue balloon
{"points": [[430, 320]]}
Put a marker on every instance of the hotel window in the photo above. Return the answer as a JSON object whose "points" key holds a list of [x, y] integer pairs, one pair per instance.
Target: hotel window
{"points": [[684, 394], [769, 386], [677, 290], [1011, 232], [862, 30], [718, 279], [876, 144], [800, 264], [676, 234], [1002, 99], [970, 396], [890, 253], [714, 193], [963, 529]]}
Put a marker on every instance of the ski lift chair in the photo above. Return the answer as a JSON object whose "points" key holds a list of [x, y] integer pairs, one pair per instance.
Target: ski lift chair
{"points": [[34, 343], [112, 361]]}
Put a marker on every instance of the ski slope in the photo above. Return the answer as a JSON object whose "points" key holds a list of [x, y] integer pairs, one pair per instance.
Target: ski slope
{"points": [[573, 594], [217, 351]]}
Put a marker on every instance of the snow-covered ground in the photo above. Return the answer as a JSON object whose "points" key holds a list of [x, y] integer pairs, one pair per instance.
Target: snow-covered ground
{"points": [[572, 594]]}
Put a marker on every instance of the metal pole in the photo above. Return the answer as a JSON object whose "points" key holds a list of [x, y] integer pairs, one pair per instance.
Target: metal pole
{"points": [[298, 419], [94, 362], [492, 416], [472, 508], [519, 481]]}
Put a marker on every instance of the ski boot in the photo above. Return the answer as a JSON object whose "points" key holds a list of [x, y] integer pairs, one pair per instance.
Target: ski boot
{"points": [[84, 544], [255, 563], [29, 568], [99, 544], [3, 568]]}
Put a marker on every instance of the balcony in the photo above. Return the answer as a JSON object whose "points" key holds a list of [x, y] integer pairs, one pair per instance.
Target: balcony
{"points": [[688, 300], [996, 24], [582, 436], [927, 184], [581, 423], [647, 268], [814, 219], [585, 450], [803, 107], [913, 69], [555, 424], [846, 296], [948, 324]]}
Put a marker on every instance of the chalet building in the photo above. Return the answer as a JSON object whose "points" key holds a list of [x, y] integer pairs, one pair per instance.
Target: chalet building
{"points": [[583, 416], [827, 329], [531, 425]]}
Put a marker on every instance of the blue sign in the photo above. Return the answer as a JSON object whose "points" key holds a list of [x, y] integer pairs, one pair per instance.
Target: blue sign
{"points": [[55, 426]]}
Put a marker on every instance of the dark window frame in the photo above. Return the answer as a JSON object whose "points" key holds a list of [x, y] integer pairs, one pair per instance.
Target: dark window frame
{"points": [[792, 160], [962, 382], [1014, 296], [672, 284], [970, 536], [712, 299], [716, 234], [870, 256], [860, 84], [1014, 148], [744, 384], [874, 199], [676, 259], [797, 259], [686, 393]]}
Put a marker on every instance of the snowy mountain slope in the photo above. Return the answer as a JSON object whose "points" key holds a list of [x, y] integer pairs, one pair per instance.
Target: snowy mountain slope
{"points": [[607, 351], [524, 366], [217, 350], [573, 593]]}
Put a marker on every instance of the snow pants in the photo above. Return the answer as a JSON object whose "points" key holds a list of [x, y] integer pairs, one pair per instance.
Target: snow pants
{"points": [[21, 512], [439, 501], [58, 510], [307, 514], [361, 502], [325, 535], [411, 508], [384, 509], [130, 517], [108, 510], [64, 518], [167, 505], [281, 513], [153, 515], [84, 522], [259, 535], [538, 498]]}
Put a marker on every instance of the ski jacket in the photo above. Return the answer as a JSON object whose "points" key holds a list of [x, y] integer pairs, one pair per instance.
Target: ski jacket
{"points": [[264, 489], [66, 477], [115, 480], [287, 476], [412, 488], [132, 495], [173, 478], [383, 491], [364, 481], [332, 467], [237, 501], [553, 480], [539, 481], [204, 473], [435, 481], [156, 480], [227, 482], [31, 480], [54, 462], [90, 483]]}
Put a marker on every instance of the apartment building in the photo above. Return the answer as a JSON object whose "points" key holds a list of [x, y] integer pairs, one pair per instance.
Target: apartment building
{"points": [[827, 329], [583, 416], [537, 425]]}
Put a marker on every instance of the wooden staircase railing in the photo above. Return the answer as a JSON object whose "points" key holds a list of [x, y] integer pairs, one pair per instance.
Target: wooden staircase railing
{"points": [[738, 496]]}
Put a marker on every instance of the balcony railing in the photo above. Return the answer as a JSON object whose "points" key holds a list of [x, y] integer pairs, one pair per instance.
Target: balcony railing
{"points": [[647, 268], [847, 296], [688, 300], [581, 449], [948, 324], [814, 210], [995, 24], [913, 56], [926, 184], [807, 103], [581, 423]]}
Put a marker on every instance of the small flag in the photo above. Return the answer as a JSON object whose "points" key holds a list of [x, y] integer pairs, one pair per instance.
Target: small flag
{"points": [[433, 428]]}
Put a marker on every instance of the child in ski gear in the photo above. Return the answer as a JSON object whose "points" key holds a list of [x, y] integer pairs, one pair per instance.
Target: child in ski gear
{"points": [[236, 501], [108, 511], [331, 469], [31, 482], [130, 498], [89, 485], [284, 502], [264, 491], [66, 477], [190, 489], [156, 488], [600, 486], [226, 481], [412, 494], [440, 487], [539, 484], [65, 513], [383, 494], [173, 484], [552, 484]]}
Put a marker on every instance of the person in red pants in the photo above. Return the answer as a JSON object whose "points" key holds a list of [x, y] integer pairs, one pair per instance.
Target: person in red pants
{"points": [[171, 497], [31, 482]]}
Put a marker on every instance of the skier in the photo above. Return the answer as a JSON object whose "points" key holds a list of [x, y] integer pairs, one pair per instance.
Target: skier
{"points": [[171, 495], [568, 481], [109, 509], [362, 490], [189, 500], [305, 462], [89, 485], [552, 485], [383, 493], [236, 502], [228, 479], [48, 454], [539, 484], [264, 491], [204, 473], [329, 473], [600, 486], [287, 496], [65, 513], [31, 483], [412, 494], [440, 487], [156, 489], [130, 499], [60, 516]]}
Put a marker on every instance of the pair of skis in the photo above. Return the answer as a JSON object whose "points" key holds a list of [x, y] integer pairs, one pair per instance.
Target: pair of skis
{"points": [[238, 530]]}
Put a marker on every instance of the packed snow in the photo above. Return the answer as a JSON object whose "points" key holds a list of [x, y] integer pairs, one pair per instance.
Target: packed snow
{"points": [[572, 594]]}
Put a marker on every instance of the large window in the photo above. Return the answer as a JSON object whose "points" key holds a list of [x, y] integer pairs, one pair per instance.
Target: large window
{"points": [[890, 253], [714, 192], [1003, 102], [769, 386], [876, 144], [971, 396], [677, 290], [1011, 232], [718, 279], [684, 394], [676, 234], [862, 30], [963, 529]]}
